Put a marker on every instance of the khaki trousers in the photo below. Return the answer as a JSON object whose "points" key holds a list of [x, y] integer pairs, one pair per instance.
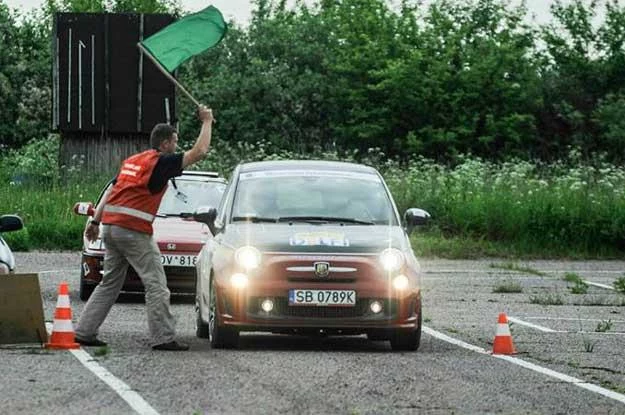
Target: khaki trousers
{"points": [[124, 247]]}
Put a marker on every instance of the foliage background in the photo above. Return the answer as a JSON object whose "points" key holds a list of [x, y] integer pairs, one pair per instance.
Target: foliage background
{"points": [[507, 131]]}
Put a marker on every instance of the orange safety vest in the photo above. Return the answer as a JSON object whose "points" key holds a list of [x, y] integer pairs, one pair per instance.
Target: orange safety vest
{"points": [[130, 203]]}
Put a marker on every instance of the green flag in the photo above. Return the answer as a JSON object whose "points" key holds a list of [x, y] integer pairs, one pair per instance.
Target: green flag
{"points": [[187, 37]]}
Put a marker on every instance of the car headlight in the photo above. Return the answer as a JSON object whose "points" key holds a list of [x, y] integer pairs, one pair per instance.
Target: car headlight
{"points": [[98, 244], [400, 282], [392, 259], [247, 257], [239, 280]]}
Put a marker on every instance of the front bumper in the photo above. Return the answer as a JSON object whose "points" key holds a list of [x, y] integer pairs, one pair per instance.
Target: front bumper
{"points": [[241, 309], [180, 280]]}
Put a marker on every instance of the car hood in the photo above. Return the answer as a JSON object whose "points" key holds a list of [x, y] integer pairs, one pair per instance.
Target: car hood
{"points": [[170, 233], [6, 255], [315, 238], [177, 230]]}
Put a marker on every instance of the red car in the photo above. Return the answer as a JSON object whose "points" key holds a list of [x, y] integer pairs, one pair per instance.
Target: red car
{"points": [[179, 237], [309, 247]]}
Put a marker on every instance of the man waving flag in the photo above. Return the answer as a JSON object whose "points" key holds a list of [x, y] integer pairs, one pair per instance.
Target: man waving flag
{"points": [[183, 39]]}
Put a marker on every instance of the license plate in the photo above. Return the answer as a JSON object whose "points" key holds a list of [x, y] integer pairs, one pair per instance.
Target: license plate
{"points": [[178, 260], [322, 297]]}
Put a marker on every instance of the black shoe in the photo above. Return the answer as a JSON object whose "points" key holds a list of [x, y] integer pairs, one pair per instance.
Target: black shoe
{"points": [[172, 345], [92, 342]]}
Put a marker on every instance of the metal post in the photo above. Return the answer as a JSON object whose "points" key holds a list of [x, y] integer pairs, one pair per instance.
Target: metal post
{"points": [[92, 79], [81, 46], [140, 79], [69, 78]]}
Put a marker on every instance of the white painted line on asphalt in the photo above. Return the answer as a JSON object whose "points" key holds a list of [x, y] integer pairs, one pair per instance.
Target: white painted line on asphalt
{"points": [[594, 271], [571, 319], [534, 326], [512, 271], [548, 330], [131, 397], [543, 370], [596, 284]]}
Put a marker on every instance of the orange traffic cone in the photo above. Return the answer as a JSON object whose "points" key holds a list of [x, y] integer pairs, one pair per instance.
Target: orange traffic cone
{"points": [[62, 330], [503, 339]]}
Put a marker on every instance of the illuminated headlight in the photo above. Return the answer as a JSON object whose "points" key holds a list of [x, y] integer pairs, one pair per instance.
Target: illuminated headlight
{"points": [[400, 282], [4, 268], [392, 259], [239, 280], [375, 307], [247, 257], [267, 305]]}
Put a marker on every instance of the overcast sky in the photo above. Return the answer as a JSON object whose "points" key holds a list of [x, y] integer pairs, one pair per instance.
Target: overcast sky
{"points": [[240, 10]]}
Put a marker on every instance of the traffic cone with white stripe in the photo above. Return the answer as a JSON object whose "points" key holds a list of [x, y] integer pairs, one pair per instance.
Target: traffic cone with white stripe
{"points": [[62, 330], [503, 339]]}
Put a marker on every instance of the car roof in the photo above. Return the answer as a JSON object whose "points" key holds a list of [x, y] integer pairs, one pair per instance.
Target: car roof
{"points": [[200, 173], [196, 175], [305, 165]]}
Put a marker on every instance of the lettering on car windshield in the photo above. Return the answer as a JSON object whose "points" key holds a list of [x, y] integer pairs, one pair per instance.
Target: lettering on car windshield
{"points": [[319, 239], [309, 173]]}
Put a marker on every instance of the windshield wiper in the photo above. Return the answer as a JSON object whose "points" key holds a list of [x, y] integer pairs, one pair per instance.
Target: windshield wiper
{"points": [[323, 219], [253, 219]]}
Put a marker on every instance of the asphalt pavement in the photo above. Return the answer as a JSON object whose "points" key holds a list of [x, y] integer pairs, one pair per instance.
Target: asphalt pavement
{"points": [[564, 365]]}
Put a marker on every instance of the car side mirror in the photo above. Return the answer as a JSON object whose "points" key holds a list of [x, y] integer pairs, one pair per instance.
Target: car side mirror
{"points": [[10, 223], [206, 216], [415, 217], [84, 209]]}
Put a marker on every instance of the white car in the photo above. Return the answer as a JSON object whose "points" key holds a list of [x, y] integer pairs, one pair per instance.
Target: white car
{"points": [[8, 223]]}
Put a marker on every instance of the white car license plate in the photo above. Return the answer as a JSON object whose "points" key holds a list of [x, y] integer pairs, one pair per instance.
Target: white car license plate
{"points": [[322, 297], [178, 260]]}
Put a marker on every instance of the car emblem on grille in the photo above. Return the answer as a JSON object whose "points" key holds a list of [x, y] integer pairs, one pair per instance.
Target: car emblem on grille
{"points": [[171, 247], [322, 269]]}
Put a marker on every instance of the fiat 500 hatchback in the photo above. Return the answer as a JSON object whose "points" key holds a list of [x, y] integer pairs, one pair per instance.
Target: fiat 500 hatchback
{"points": [[309, 247]]}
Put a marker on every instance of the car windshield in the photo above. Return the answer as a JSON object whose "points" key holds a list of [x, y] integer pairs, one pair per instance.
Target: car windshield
{"points": [[188, 195], [352, 198]]}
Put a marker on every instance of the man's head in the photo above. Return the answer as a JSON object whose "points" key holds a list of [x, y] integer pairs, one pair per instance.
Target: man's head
{"points": [[164, 138]]}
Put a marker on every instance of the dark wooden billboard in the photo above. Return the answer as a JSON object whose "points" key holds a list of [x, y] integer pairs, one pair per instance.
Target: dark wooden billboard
{"points": [[106, 96]]}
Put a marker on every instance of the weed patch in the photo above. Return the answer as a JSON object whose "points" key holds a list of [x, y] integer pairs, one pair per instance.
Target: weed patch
{"points": [[102, 351], [508, 287], [512, 266], [589, 345], [604, 326], [547, 299]]}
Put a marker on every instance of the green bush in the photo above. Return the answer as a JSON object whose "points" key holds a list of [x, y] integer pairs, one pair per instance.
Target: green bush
{"points": [[565, 208]]}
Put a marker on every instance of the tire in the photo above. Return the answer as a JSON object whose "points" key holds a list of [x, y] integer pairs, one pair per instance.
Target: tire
{"points": [[86, 289], [201, 328], [407, 340], [220, 337]]}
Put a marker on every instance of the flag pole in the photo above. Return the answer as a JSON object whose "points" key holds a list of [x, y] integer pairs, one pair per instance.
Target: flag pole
{"points": [[167, 74]]}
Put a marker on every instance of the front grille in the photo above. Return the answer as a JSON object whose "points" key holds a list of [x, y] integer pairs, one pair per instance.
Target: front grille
{"points": [[317, 280], [282, 310]]}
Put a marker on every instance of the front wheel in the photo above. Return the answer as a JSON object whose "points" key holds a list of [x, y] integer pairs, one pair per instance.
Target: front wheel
{"points": [[86, 289], [407, 340], [220, 337], [201, 328]]}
